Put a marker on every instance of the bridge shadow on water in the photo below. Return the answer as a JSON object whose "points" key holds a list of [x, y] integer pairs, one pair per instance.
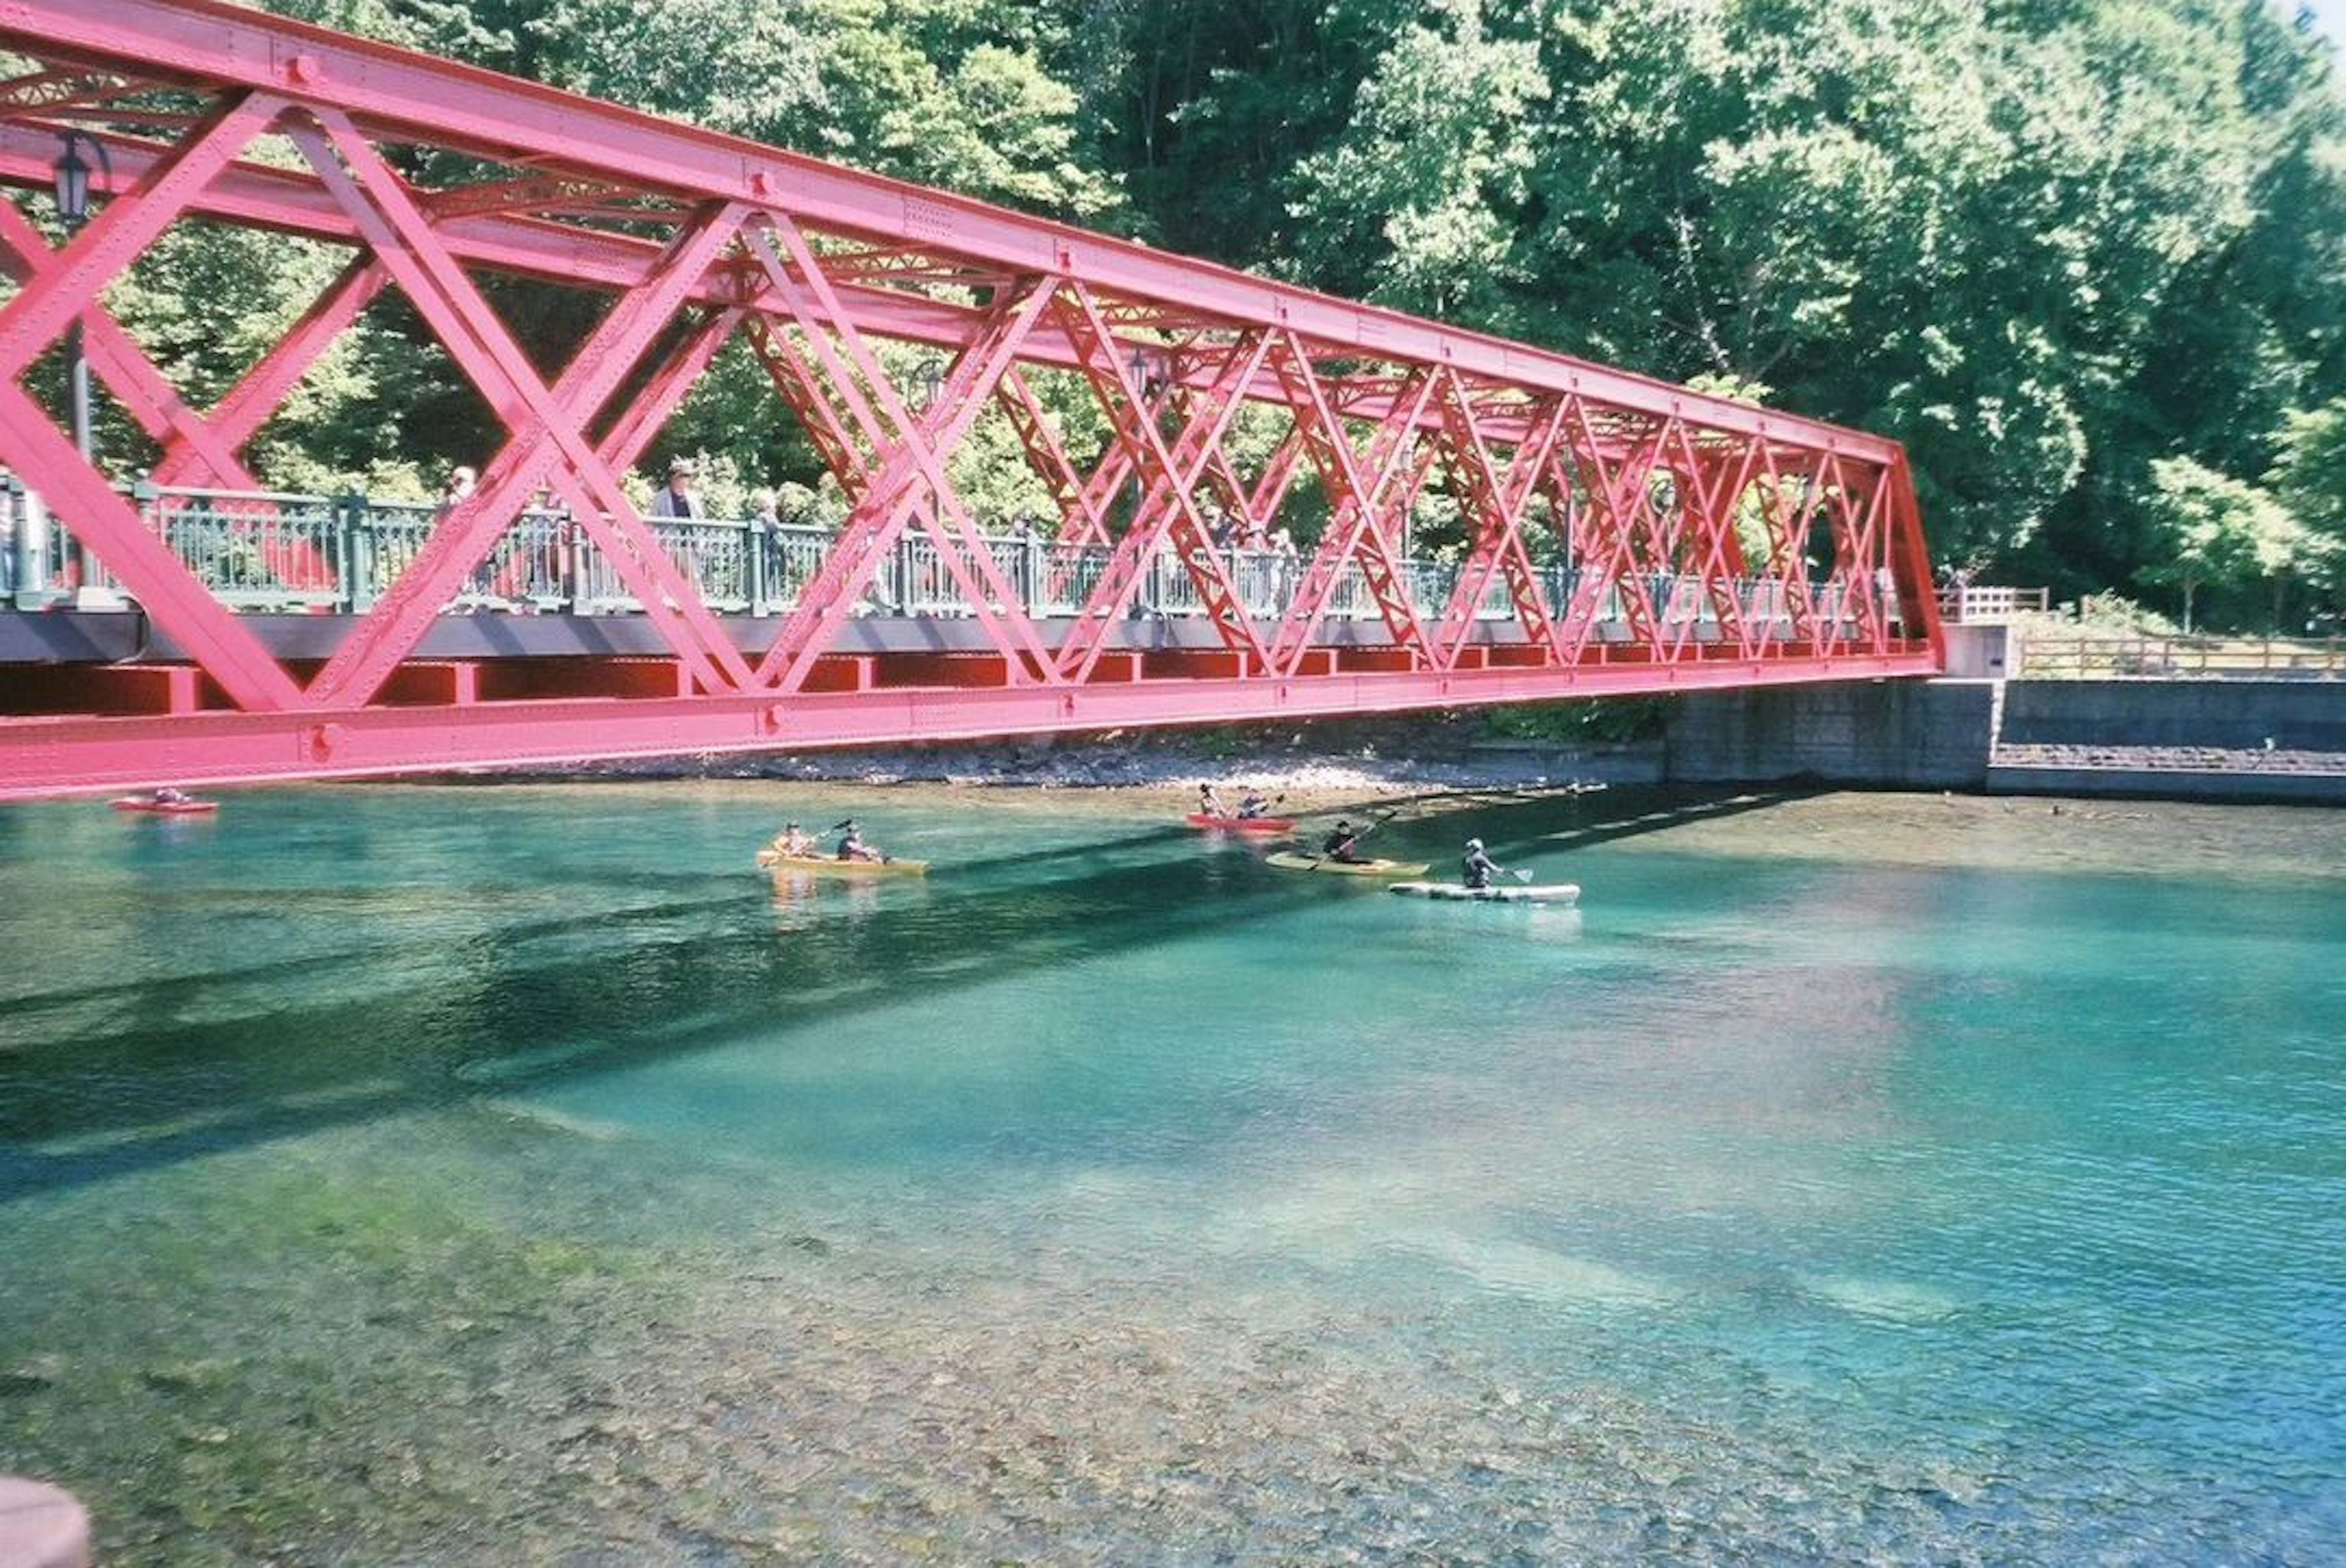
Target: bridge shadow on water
{"points": [[199, 1065]]}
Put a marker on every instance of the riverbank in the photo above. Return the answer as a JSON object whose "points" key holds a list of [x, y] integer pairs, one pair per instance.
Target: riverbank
{"points": [[2245, 741], [1320, 766]]}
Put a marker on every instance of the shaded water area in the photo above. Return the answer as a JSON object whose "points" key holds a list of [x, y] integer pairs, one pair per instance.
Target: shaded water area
{"points": [[512, 1175]]}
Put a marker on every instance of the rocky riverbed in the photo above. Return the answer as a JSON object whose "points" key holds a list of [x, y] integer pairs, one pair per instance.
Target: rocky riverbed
{"points": [[1323, 764]]}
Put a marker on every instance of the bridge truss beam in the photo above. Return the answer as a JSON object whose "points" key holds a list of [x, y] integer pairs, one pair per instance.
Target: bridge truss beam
{"points": [[1224, 398]]}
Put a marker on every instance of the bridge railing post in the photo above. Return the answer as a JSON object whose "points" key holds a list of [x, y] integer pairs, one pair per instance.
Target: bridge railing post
{"points": [[34, 591], [355, 544], [575, 548], [11, 493], [760, 544]]}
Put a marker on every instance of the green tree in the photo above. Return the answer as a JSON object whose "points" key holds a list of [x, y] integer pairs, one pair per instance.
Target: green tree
{"points": [[1979, 230], [2217, 532], [1202, 109], [2309, 479], [2057, 247], [1419, 204]]}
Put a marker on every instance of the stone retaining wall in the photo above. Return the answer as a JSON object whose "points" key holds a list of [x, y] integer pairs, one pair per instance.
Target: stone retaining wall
{"points": [[2181, 739], [1910, 734], [2240, 714]]}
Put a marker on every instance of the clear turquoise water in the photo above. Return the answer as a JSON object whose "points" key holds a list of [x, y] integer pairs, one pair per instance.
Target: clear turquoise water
{"points": [[511, 1175]]}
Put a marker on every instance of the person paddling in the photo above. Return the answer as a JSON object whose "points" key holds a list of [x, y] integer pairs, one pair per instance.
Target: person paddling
{"points": [[852, 847], [1209, 803], [794, 843], [1343, 845], [1252, 805], [1479, 868]]}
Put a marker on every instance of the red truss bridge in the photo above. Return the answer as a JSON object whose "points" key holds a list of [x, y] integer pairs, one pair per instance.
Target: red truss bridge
{"points": [[1619, 534]]}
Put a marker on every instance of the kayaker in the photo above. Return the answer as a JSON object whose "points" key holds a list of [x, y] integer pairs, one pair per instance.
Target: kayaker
{"points": [[1343, 845], [851, 846], [1209, 803], [1479, 867], [1253, 805], [795, 843], [167, 796]]}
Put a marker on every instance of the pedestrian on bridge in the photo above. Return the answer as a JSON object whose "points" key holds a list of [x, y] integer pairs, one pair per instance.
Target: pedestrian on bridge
{"points": [[676, 498]]}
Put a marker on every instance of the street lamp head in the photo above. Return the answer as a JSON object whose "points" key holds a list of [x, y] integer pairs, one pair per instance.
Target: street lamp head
{"points": [[73, 184]]}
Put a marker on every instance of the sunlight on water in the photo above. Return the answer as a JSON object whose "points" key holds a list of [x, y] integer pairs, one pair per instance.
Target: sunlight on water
{"points": [[517, 1175]]}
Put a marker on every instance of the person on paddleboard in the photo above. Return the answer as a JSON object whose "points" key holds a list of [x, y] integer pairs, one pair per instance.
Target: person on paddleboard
{"points": [[851, 846], [795, 843], [1479, 868], [1343, 845]]}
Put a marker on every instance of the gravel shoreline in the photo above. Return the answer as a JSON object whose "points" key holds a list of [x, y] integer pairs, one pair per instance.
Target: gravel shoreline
{"points": [[1311, 766]]}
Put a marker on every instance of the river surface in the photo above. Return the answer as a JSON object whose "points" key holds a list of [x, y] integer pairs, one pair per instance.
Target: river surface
{"points": [[513, 1175]]}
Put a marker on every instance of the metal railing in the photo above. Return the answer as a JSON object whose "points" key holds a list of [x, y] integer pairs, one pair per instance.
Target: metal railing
{"points": [[1975, 603], [314, 554], [2182, 658]]}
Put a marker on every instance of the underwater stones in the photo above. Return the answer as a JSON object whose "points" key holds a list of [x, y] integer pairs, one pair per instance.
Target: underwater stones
{"points": [[32, 1375]]}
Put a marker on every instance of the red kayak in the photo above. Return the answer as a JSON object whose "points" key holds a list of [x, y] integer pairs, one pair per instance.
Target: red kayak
{"points": [[164, 807], [1242, 824]]}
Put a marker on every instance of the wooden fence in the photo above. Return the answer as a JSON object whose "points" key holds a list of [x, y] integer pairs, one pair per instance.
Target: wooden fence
{"points": [[2056, 657]]}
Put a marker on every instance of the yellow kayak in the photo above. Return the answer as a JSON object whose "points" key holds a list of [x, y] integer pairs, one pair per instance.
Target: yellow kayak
{"points": [[775, 860], [1287, 860]]}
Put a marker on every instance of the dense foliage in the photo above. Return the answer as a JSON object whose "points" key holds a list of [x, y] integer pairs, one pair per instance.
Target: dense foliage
{"points": [[2085, 258]]}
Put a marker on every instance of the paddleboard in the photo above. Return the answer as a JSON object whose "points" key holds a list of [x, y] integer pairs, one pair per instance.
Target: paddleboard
{"points": [[1287, 860], [1241, 824], [1549, 893], [774, 859]]}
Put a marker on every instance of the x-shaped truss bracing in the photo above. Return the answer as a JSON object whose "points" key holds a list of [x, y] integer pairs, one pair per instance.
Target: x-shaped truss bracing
{"points": [[1649, 538]]}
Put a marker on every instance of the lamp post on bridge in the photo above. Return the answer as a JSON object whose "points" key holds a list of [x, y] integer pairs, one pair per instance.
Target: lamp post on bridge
{"points": [[73, 213]]}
